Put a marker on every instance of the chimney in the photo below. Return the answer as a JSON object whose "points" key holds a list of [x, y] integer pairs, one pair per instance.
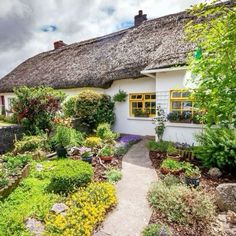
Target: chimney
{"points": [[59, 44], [138, 19]]}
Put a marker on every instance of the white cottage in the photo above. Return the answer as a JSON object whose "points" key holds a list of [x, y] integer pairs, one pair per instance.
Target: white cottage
{"points": [[147, 61]]}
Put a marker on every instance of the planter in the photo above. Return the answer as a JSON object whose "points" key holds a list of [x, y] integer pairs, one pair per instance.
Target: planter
{"points": [[87, 159], [175, 156], [106, 158], [61, 152], [4, 192], [193, 181]]}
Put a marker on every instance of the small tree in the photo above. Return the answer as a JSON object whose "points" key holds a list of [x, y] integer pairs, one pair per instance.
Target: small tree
{"points": [[36, 107], [92, 109], [212, 29]]}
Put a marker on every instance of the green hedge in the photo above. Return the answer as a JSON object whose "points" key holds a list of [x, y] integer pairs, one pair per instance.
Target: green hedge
{"points": [[67, 175]]}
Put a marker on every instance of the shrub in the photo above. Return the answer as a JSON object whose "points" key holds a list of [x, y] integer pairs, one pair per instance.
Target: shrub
{"points": [[218, 148], [87, 208], [120, 96], [93, 108], [104, 132], [93, 142], [69, 174], [121, 150], [3, 179], [106, 151], [173, 116], [161, 146], [66, 136], [113, 175], [181, 204], [170, 180], [156, 229], [36, 107], [69, 107], [171, 164], [29, 144], [14, 163]]}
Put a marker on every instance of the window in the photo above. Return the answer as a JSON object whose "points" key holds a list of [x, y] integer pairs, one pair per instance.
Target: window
{"points": [[181, 102], [142, 104]]}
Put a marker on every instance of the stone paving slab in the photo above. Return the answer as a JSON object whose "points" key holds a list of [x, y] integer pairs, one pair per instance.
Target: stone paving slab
{"points": [[133, 212]]}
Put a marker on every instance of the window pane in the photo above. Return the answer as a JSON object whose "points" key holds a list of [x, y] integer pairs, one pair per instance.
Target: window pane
{"points": [[134, 104], [153, 104], [153, 111], [187, 114], [176, 94], [133, 97], [139, 96], [153, 96], [176, 105], [147, 104], [147, 96], [187, 105], [186, 94], [140, 104]]}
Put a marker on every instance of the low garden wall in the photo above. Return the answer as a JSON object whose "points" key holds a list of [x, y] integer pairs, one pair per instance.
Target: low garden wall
{"points": [[8, 134]]}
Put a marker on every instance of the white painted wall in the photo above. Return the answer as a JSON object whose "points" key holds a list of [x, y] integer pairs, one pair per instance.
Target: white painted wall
{"points": [[176, 132]]}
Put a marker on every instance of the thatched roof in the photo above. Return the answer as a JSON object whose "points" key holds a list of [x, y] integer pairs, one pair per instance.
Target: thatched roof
{"points": [[98, 62]]}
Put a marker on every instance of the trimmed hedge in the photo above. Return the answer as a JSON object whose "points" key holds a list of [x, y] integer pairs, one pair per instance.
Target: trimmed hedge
{"points": [[69, 174]]}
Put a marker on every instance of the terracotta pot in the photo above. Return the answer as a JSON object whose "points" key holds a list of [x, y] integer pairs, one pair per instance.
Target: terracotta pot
{"points": [[164, 171], [106, 158]]}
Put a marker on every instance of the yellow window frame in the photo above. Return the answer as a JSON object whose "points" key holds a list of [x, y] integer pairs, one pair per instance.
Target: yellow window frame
{"points": [[181, 99], [142, 98]]}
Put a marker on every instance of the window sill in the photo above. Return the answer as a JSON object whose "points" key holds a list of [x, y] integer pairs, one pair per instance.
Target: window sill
{"points": [[184, 125], [141, 118]]}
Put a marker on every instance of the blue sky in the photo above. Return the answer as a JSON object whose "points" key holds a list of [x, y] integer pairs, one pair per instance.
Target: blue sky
{"points": [[28, 27]]}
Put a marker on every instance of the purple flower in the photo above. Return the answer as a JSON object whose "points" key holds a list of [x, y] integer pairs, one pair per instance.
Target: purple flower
{"points": [[129, 138]]}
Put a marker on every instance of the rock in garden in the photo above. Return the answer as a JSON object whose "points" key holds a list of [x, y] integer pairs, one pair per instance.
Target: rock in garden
{"points": [[231, 217], [39, 167], [226, 196], [163, 232], [35, 227], [59, 208], [215, 172]]}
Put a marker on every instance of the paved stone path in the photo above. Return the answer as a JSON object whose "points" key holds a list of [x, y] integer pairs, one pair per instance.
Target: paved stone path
{"points": [[133, 212]]}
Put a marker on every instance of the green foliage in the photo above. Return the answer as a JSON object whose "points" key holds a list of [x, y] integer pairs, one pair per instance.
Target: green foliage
{"points": [[9, 119], [113, 175], [171, 164], [93, 108], [3, 179], [106, 151], [218, 148], [120, 96], [160, 123], [181, 204], [36, 107], [212, 29], [28, 199], [193, 172], [170, 180], [156, 229], [14, 163], [121, 151], [29, 144], [105, 133], [66, 136], [69, 174], [161, 146], [69, 107], [87, 208], [173, 116]]}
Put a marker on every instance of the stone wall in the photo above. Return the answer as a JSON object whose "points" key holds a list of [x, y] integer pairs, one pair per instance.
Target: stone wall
{"points": [[8, 134]]}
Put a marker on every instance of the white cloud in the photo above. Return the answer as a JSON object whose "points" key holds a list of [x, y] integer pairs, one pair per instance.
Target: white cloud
{"points": [[21, 22]]}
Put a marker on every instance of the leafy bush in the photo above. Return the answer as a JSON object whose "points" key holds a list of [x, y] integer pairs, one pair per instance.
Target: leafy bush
{"points": [[66, 136], [106, 151], [218, 148], [120, 96], [156, 229], [121, 150], [93, 142], [69, 107], [36, 107], [3, 179], [161, 146], [93, 108], [87, 208], [69, 174], [171, 164], [29, 144], [113, 175], [173, 116], [15, 163], [170, 180], [181, 204], [104, 132]]}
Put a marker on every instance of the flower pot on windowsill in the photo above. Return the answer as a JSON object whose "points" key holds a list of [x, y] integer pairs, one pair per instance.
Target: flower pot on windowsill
{"points": [[106, 158], [88, 159], [192, 180], [61, 152]]}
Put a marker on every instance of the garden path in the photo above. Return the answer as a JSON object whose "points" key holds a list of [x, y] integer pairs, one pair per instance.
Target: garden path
{"points": [[133, 212]]}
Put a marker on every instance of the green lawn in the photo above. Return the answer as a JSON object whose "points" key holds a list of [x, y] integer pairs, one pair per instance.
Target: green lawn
{"points": [[2, 123]]}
